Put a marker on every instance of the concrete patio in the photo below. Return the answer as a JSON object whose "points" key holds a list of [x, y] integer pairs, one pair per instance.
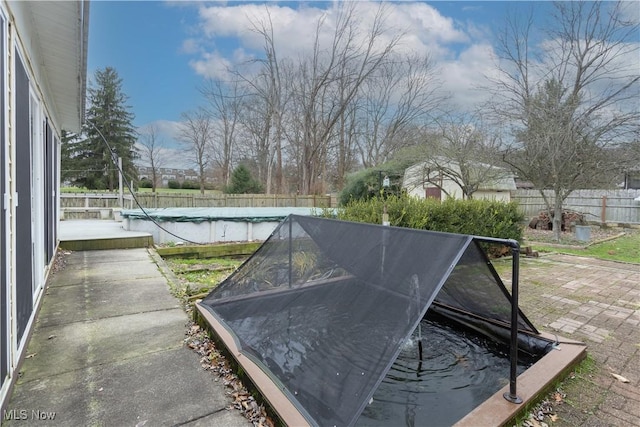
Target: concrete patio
{"points": [[108, 349]]}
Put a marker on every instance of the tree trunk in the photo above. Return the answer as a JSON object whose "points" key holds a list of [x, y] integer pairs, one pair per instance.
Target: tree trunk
{"points": [[201, 179], [557, 217]]}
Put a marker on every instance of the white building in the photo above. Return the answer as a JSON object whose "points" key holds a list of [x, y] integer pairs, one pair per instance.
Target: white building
{"points": [[440, 181], [43, 53]]}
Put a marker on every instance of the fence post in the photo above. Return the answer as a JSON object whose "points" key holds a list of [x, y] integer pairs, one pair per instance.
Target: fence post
{"points": [[603, 213]]}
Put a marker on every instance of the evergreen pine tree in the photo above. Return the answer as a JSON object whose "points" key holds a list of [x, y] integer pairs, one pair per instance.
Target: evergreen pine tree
{"points": [[70, 162], [242, 182], [107, 116]]}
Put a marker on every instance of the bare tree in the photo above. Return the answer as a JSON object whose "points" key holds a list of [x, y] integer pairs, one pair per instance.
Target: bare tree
{"points": [[270, 88], [257, 137], [571, 102], [151, 150], [401, 95], [224, 107], [196, 133], [346, 146], [350, 60]]}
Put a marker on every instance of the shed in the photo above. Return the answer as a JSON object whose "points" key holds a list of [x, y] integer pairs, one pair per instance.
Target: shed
{"points": [[440, 179]]}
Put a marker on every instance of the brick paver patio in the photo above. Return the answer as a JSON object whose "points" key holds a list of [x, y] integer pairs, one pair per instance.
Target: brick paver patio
{"points": [[597, 302]]}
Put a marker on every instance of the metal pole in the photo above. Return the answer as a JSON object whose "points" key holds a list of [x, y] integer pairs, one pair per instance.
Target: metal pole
{"points": [[120, 190], [290, 250], [511, 395]]}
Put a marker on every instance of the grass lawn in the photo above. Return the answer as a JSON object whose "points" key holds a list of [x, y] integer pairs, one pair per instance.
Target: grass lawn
{"points": [[199, 276], [625, 248]]}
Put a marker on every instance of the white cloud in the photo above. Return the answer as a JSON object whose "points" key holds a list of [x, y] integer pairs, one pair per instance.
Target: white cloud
{"points": [[630, 11], [460, 49], [463, 74], [165, 128], [190, 46], [212, 65], [427, 31]]}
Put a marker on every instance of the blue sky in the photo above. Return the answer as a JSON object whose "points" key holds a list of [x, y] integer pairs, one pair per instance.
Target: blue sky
{"points": [[142, 41]]}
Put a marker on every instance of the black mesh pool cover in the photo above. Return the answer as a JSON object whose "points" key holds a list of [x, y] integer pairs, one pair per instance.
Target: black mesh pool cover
{"points": [[323, 305]]}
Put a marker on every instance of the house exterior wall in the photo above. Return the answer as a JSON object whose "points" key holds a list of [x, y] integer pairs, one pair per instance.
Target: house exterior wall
{"points": [[29, 177]]}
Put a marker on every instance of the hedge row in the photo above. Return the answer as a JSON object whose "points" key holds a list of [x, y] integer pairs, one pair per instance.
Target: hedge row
{"points": [[475, 217]]}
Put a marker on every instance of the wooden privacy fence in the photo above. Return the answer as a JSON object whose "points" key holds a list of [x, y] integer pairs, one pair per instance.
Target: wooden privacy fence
{"points": [[170, 200], [614, 206], [167, 200], [93, 201]]}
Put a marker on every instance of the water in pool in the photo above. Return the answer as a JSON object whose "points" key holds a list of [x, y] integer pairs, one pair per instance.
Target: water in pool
{"points": [[458, 371]]}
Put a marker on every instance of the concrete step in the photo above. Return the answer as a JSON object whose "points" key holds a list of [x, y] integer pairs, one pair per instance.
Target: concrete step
{"points": [[93, 244], [96, 234]]}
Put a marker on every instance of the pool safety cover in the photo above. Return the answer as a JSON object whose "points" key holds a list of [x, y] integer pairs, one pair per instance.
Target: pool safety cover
{"points": [[323, 306], [198, 215]]}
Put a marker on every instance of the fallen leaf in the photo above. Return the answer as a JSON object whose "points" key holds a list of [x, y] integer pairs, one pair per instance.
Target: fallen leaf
{"points": [[29, 356], [553, 418], [532, 422], [50, 337], [557, 397], [620, 378]]}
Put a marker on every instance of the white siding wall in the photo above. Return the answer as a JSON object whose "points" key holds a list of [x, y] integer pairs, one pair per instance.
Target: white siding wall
{"points": [[18, 36]]}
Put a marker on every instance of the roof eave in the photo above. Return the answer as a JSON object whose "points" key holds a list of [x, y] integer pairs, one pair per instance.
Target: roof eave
{"points": [[61, 36]]}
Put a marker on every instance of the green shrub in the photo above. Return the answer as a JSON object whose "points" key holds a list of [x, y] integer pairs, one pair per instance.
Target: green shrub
{"points": [[367, 183], [173, 184], [486, 218], [361, 185], [145, 183], [190, 185]]}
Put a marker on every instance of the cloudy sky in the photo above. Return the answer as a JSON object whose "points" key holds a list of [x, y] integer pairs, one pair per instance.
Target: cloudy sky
{"points": [[164, 50]]}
